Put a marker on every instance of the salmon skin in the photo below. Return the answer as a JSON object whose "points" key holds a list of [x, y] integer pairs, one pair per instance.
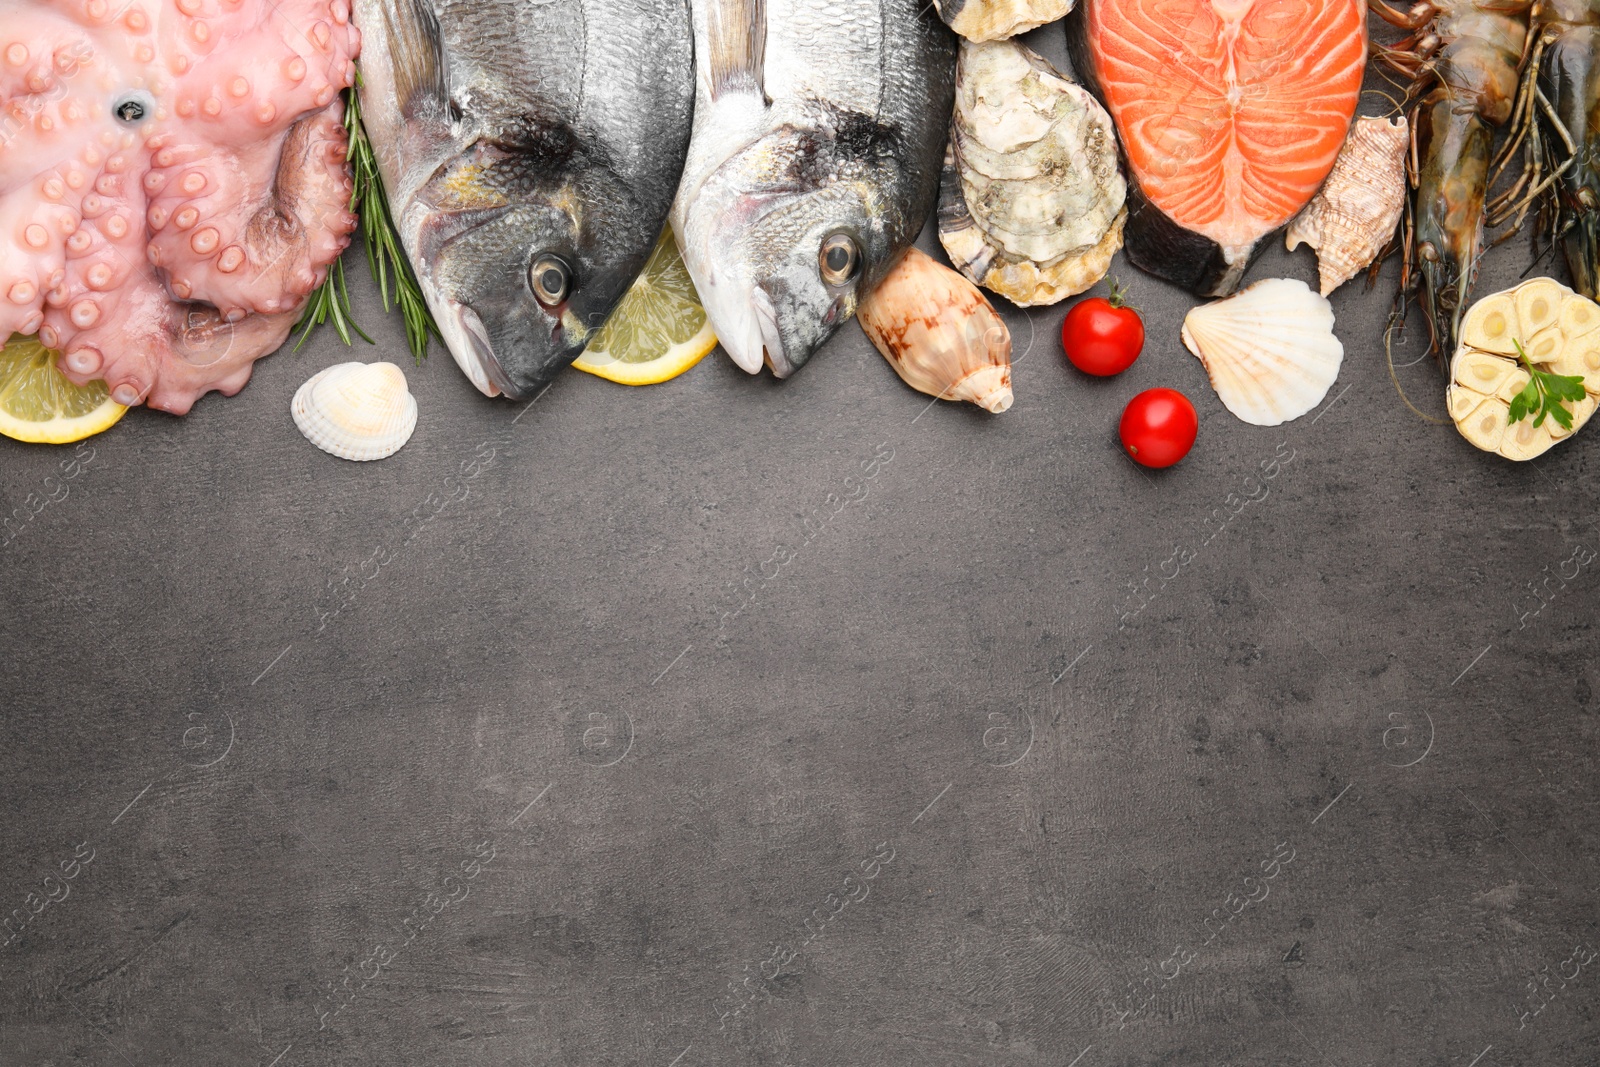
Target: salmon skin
{"points": [[1230, 114]]}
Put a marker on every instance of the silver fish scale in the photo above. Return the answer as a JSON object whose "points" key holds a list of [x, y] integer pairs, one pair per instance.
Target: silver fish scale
{"points": [[556, 156], [831, 51], [509, 58], [595, 65], [624, 69]]}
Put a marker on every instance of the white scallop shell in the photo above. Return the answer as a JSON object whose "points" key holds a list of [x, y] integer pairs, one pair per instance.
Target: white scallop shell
{"points": [[359, 411], [1269, 349]]}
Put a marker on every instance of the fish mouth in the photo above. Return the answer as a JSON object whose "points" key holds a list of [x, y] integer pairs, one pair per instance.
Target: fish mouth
{"points": [[756, 339], [772, 351], [460, 327], [468, 342]]}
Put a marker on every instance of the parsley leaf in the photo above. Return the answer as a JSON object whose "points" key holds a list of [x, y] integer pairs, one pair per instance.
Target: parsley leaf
{"points": [[1544, 393]]}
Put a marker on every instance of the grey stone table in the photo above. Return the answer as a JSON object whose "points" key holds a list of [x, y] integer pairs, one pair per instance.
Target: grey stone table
{"points": [[732, 721]]}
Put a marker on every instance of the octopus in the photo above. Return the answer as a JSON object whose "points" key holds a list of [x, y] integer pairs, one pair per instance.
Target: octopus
{"points": [[174, 183]]}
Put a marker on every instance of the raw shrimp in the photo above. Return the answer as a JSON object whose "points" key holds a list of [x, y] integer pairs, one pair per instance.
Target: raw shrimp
{"points": [[1556, 123], [1464, 59]]}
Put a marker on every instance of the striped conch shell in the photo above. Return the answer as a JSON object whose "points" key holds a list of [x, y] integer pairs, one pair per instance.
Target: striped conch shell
{"points": [[939, 333], [1354, 214]]}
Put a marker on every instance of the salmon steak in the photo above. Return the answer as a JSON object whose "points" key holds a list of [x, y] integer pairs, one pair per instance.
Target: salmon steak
{"points": [[1230, 113]]}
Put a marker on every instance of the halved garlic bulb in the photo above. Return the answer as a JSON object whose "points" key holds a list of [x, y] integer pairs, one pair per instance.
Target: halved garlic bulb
{"points": [[1557, 330]]}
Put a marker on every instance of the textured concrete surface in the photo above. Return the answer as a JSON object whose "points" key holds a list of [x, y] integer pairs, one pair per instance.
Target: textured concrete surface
{"points": [[731, 721]]}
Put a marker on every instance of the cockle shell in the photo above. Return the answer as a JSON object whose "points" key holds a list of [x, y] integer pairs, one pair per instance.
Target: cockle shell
{"points": [[358, 411], [1560, 332], [994, 20], [1269, 349], [939, 333], [1031, 200], [1354, 214]]}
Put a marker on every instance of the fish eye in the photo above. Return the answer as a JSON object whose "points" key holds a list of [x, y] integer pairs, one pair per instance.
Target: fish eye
{"points": [[839, 259], [132, 108], [549, 278]]}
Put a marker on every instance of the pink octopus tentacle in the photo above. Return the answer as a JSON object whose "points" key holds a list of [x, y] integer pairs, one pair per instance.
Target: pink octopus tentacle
{"points": [[172, 182], [256, 247]]}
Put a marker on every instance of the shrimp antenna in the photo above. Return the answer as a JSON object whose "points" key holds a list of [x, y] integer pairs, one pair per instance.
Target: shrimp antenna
{"points": [[1398, 316], [1549, 251], [1392, 101]]}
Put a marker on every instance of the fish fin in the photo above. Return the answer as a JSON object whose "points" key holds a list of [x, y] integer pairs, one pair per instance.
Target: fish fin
{"points": [[416, 55], [737, 36]]}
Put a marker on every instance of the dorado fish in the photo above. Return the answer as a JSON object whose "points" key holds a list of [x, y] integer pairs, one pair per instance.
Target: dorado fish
{"points": [[819, 131], [530, 150]]}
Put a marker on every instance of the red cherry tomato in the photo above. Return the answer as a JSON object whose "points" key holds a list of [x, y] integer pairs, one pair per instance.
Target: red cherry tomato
{"points": [[1102, 337], [1158, 427]]}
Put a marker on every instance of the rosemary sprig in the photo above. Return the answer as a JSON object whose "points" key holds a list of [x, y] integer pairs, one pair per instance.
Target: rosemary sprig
{"points": [[385, 257], [1544, 393]]}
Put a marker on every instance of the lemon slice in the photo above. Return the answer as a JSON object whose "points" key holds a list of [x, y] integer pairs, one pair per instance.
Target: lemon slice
{"points": [[39, 405], [658, 331]]}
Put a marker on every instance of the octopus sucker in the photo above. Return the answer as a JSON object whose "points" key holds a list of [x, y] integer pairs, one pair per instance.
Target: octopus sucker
{"points": [[162, 214]]}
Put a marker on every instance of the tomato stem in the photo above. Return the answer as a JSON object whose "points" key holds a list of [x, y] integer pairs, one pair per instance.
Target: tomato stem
{"points": [[1119, 296]]}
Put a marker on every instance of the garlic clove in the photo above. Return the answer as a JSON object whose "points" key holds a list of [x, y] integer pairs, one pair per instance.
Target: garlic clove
{"points": [[1485, 425], [1539, 303], [1578, 316], [1581, 411], [1544, 346], [1513, 384], [1481, 371], [1582, 358], [1461, 401], [1491, 325], [1524, 441]]}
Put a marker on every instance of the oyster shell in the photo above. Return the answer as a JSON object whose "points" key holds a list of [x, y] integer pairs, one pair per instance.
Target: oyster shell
{"points": [[1353, 215], [939, 333], [1031, 203], [994, 20], [1557, 330], [359, 411], [1269, 349]]}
